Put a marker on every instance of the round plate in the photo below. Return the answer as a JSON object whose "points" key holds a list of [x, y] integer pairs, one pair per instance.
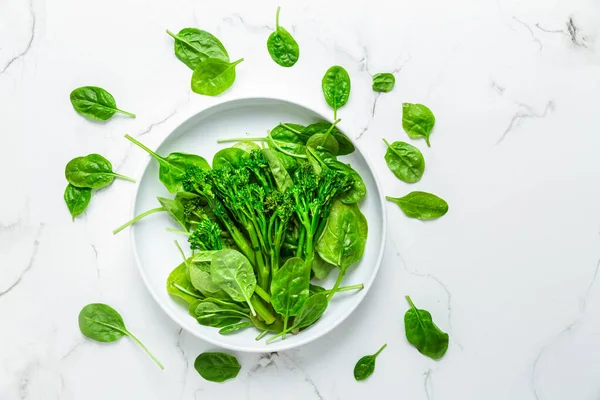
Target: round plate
{"points": [[156, 254]]}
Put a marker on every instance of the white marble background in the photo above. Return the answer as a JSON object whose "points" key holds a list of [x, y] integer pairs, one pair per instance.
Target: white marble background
{"points": [[510, 272]]}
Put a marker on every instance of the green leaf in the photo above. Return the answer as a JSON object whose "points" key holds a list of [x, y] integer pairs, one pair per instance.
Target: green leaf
{"points": [[213, 76], [383, 82], [405, 161], [345, 145], [289, 288], [193, 46], [421, 205], [230, 157], [422, 333], [175, 209], [92, 171], [95, 103], [325, 140], [172, 168], [281, 45], [280, 174], [336, 88], [247, 146], [208, 313], [226, 330], [178, 284], [234, 274], [313, 309], [103, 323], [77, 199], [417, 121], [321, 268], [202, 281], [366, 365], [217, 367]]}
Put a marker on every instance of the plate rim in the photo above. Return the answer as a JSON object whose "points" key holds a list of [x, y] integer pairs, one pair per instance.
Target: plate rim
{"points": [[282, 344]]}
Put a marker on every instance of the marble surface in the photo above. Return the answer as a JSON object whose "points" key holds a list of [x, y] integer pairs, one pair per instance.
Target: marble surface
{"points": [[510, 272]]}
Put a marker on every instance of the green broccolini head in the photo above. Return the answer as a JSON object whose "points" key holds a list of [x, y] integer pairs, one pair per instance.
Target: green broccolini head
{"points": [[196, 180], [207, 236]]}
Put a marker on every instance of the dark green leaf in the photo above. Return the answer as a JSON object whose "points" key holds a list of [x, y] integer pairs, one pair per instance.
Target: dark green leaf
{"points": [[324, 140], [345, 145], [313, 309], [226, 330], [289, 288], [213, 76], [280, 174], [288, 132], [175, 209], [95, 103], [230, 157], [77, 199], [281, 45], [103, 323], [366, 365], [383, 82], [336, 88], [422, 333], [421, 205], [292, 149], [321, 268], [194, 45], [92, 171], [417, 121], [289, 163], [405, 161], [247, 146], [217, 367]]}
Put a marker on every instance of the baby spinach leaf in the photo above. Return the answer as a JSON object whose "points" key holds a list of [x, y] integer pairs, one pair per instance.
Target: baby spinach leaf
{"points": [[212, 314], [103, 323], [217, 367], [77, 199], [193, 46], [422, 333], [358, 190], [292, 149], [178, 284], [234, 274], [336, 88], [313, 309], [213, 76], [421, 205], [247, 146], [289, 163], [383, 82], [226, 330], [288, 133], [282, 178], [95, 103], [321, 268], [229, 157], [345, 146], [417, 121], [281, 45], [202, 281], [324, 140], [172, 168], [92, 171], [405, 161], [366, 365], [174, 208], [289, 289]]}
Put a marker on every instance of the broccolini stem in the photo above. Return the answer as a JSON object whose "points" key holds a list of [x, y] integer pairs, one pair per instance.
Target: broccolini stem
{"points": [[262, 310]]}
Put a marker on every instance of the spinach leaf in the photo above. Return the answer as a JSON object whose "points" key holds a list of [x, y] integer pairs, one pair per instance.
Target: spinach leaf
{"points": [[95, 103], [217, 367], [345, 145], [92, 171], [358, 190], [280, 174], [281, 45], [172, 168], [103, 323], [417, 121], [321, 268], [405, 161], [77, 199], [202, 281], [178, 284], [383, 82], [422, 333], [421, 205], [229, 157], [226, 330], [324, 140], [313, 309], [289, 163], [174, 208], [212, 314], [344, 238], [289, 289], [366, 365], [247, 146], [292, 149], [336, 88], [234, 274], [213, 76], [193, 46]]}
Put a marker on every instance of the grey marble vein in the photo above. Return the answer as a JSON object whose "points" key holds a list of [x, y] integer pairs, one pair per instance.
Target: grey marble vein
{"points": [[365, 129], [30, 264], [254, 28], [186, 364], [571, 31], [72, 350], [29, 43], [498, 88], [589, 288], [427, 384], [96, 260], [525, 112], [533, 37], [155, 124]]}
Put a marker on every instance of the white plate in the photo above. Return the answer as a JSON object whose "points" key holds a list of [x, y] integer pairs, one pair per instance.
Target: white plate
{"points": [[156, 254]]}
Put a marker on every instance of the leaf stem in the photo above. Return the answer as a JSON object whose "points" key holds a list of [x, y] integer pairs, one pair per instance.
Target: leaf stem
{"points": [[184, 290], [145, 349], [139, 144], [277, 18], [185, 260], [174, 36], [333, 125], [124, 177], [289, 128], [360, 286], [261, 335], [126, 113], [236, 62], [410, 302], [337, 284], [427, 141], [137, 218], [177, 231], [380, 350], [262, 293], [250, 139]]}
